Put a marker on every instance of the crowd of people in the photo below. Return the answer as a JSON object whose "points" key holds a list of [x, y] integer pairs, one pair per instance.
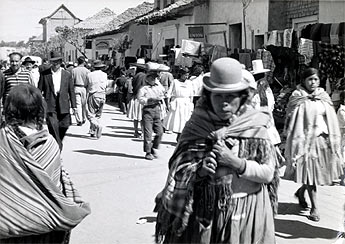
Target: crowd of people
{"points": [[223, 178]]}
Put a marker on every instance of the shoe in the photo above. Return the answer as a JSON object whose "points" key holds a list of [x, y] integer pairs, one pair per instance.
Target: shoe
{"points": [[314, 216], [137, 135], [149, 156], [99, 131], [301, 199], [154, 153]]}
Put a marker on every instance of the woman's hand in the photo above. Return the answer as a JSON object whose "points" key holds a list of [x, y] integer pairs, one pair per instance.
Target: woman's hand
{"points": [[225, 157], [209, 165]]}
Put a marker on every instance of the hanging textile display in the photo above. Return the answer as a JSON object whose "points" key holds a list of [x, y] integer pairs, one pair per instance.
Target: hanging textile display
{"points": [[287, 38], [332, 62], [268, 62], [305, 48]]}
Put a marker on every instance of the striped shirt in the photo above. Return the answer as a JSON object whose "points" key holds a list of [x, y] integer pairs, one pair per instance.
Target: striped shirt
{"points": [[22, 76]]}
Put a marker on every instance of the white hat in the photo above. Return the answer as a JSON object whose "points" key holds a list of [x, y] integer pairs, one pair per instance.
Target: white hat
{"points": [[258, 67], [140, 63], [249, 78]]}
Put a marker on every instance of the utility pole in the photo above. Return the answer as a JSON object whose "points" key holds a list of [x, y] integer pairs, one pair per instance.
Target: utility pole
{"points": [[245, 5]]}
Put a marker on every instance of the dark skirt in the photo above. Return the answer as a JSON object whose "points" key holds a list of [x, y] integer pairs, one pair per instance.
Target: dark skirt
{"points": [[246, 219]]}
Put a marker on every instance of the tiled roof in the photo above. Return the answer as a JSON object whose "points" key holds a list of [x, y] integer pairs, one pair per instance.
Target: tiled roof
{"points": [[122, 19], [171, 9], [98, 20]]}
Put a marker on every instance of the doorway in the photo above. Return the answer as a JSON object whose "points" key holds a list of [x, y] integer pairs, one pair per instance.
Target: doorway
{"points": [[235, 36]]}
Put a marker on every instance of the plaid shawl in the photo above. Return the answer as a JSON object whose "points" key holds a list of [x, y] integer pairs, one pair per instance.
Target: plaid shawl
{"points": [[200, 133], [299, 115], [32, 201]]}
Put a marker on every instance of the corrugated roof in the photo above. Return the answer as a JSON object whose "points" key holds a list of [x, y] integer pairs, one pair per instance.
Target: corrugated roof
{"points": [[172, 8], [98, 20], [124, 18]]}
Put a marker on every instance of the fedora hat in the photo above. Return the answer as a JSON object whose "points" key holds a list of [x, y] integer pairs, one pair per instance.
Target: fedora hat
{"points": [[55, 56], [258, 67], [140, 63], [98, 64], [28, 60], [225, 76]]}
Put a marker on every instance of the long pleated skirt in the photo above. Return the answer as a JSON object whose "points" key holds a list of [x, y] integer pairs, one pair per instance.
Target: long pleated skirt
{"points": [[247, 219], [321, 167], [135, 109]]}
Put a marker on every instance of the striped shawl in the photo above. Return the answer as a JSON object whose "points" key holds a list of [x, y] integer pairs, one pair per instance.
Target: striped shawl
{"points": [[35, 198]]}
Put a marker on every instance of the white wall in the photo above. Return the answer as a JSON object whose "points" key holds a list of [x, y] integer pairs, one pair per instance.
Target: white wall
{"points": [[60, 18], [140, 37], [231, 12], [175, 29], [331, 11]]}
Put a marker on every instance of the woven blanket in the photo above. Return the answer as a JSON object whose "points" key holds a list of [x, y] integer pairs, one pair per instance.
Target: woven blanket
{"points": [[31, 200], [200, 133]]}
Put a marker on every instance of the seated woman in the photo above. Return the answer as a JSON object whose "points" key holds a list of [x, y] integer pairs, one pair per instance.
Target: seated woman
{"points": [[39, 203], [223, 176]]}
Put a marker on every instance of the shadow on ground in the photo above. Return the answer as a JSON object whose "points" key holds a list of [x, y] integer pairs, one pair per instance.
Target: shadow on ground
{"points": [[294, 229], [111, 154], [87, 136], [120, 127], [289, 208], [117, 135], [149, 219]]}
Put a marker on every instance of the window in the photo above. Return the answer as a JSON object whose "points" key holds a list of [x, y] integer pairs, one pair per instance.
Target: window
{"points": [[88, 44]]}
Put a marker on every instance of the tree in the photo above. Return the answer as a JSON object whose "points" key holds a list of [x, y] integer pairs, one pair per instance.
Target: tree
{"points": [[121, 45], [73, 36]]}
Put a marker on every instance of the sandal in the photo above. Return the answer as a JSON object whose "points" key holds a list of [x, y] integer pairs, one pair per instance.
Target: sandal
{"points": [[301, 199]]}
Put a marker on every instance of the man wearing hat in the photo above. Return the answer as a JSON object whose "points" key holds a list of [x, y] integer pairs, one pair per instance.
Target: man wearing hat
{"points": [[58, 91], [80, 80], [30, 66], [151, 97], [15, 75], [96, 87]]}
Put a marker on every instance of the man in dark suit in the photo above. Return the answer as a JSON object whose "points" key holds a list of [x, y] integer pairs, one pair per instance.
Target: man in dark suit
{"points": [[58, 91]]}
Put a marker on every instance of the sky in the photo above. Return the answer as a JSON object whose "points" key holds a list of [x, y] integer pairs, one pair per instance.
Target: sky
{"points": [[19, 18]]}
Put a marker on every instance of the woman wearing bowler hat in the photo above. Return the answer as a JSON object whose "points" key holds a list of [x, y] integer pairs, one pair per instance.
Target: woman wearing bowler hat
{"points": [[222, 180]]}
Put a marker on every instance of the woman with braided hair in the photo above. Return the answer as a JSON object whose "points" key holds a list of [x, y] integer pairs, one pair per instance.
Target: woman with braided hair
{"points": [[39, 203]]}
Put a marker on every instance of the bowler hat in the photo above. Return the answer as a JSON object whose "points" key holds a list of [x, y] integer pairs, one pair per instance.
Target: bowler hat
{"points": [[98, 64], [28, 60], [258, 67], [249, 78], [55, 56], [225, 76]]}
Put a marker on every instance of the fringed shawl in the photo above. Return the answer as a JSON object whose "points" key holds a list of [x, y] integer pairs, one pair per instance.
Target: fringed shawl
{"points": [[31, 202], [200, 133], [301, 124]]}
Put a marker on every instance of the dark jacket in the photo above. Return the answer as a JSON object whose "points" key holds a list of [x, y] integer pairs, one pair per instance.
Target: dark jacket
{"points": [[66, 95]]}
